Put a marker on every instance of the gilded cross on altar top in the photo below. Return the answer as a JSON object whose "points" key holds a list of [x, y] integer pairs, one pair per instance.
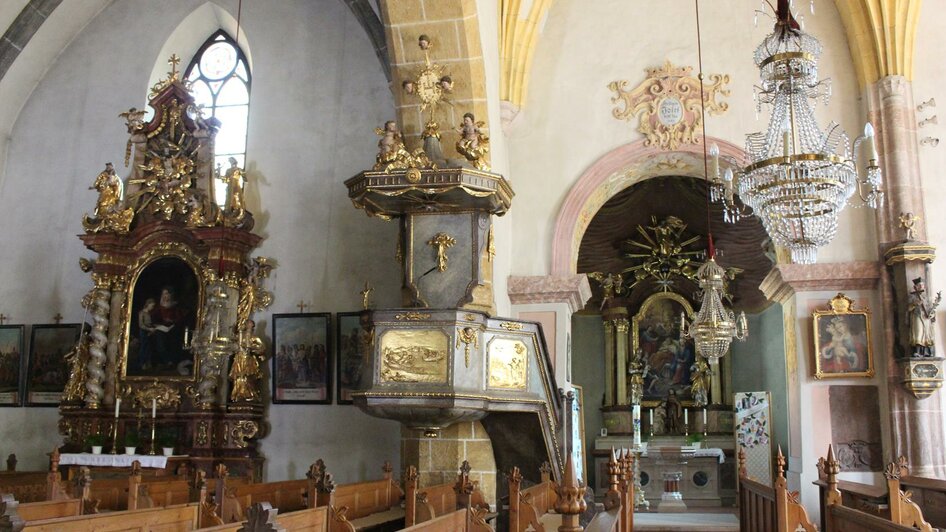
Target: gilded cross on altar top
{"points": [[173, 61]]}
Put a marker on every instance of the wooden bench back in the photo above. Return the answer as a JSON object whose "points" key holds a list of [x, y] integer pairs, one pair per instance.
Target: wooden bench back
{"points": [[365, 498], [527, 506], [308, 520], [35, 511], [286, 495], [179, 518], [763, 508], [904, 514], [454, 521], [425, 503]]}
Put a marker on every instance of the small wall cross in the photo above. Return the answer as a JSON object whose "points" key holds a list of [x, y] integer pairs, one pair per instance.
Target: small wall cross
{"points": [[173, 61], [3, 318], [57, 318], [302, 306]]}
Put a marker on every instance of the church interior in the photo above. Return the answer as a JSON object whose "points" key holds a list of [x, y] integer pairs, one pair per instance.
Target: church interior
{"points": [[469, 265]]}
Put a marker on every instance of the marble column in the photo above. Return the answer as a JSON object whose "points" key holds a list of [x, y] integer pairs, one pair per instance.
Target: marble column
{"points": [[917, 426]]}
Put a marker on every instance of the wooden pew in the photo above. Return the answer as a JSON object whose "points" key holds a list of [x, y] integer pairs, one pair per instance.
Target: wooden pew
{"points": [[904, 514], [35, 511], [262, 517], [363, 504], [170, 519], [425, 504], [930, 495], [770, 509], [527, 506], [34, 486]]}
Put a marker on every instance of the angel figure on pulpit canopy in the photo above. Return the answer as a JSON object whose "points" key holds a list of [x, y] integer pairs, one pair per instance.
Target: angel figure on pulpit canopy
{"points": [[473, 143]]}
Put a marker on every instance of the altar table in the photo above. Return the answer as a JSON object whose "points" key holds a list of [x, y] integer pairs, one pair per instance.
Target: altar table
{"points": [[113, 460]]}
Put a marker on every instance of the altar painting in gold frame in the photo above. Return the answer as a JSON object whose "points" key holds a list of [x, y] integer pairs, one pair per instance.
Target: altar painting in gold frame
{"points": [[655, 332]]}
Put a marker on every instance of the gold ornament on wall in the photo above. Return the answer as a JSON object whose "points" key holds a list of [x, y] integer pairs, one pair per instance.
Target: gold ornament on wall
{"points": [[667, 104], [442, 241]]}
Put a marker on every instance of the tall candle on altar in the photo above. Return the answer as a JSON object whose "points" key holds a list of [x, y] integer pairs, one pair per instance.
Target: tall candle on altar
{"points": [[704, 420], [636, 413], [686, 417], [154, 407], [118, 401]]}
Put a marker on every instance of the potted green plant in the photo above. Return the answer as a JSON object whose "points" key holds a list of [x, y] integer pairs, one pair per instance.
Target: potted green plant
{"points": [[130, 440], [695, 440], [95, 441], [166, 440]]}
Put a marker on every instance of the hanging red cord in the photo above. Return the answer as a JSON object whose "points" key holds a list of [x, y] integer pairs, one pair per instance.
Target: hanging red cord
{"points": [[699, 55]]}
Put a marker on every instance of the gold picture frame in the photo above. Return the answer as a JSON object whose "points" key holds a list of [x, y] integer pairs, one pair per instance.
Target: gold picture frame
{"points": [[658, 299], [842, 339]]}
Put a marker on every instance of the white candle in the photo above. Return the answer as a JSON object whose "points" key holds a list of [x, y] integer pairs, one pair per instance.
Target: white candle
{"points": [[871, 147], [651, 419], [154, 407], [714, 166], [704, 419], [686, 417], [636, 413], [118, 401]]}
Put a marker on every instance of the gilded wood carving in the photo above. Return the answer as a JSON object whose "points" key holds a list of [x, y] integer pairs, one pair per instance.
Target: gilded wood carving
{"points": [[414, 356]]}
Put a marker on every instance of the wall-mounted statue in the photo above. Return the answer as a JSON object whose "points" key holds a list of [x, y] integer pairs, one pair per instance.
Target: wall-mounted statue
{"points": [[922, 312]]}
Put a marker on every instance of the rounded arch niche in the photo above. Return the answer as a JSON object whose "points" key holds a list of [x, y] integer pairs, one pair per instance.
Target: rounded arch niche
{"points": [[615, 171]]}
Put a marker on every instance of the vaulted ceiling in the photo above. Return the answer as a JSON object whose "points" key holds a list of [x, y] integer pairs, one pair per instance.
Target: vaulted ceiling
{"points": [[741, 245]]}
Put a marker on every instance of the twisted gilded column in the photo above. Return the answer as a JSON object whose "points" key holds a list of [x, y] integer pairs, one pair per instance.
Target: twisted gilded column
{"points": [[95, 369]]}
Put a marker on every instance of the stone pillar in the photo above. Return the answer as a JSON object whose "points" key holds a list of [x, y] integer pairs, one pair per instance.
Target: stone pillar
{"points": [[438, 459], [917, 426], [610, 398], [621, 356]]}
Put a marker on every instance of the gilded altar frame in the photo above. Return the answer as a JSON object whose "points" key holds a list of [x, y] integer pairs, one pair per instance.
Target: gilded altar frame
{"points": [[639, 316], [161, 251], [853, 342]]}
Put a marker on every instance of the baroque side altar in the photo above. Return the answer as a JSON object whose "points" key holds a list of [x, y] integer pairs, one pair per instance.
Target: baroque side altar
{"points": [[174, 291]]}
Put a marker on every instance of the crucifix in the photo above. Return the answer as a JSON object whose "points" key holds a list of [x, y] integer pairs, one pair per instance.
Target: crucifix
{"points": [[173, 61], [3, 318], [302, 306], [366, 296], [57, 318], [442, 241]]}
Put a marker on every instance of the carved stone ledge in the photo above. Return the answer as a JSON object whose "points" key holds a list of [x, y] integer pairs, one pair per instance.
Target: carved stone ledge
{"points": [[785, 280], [572, 290]]}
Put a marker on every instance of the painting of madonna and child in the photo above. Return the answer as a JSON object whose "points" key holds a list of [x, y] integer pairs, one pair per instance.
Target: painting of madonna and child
{"points": [[163, 312], [667, 359]]}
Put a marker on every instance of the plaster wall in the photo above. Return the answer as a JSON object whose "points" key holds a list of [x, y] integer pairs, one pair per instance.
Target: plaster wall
{"points": [[566, 123], [318, 92], [814, 409]]}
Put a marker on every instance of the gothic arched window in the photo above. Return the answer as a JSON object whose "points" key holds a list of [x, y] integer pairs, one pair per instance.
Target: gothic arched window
{"points": [[220, 81]]}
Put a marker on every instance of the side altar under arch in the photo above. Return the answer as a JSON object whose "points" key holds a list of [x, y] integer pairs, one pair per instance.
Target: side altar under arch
{"points": [[174, 291]]}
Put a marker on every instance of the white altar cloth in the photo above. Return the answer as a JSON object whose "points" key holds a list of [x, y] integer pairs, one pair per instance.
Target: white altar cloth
{"points": [[113, 460], [701, 453]]}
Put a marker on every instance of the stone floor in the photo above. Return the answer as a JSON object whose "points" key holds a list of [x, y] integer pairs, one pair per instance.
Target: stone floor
{"points": [[686, 522]]}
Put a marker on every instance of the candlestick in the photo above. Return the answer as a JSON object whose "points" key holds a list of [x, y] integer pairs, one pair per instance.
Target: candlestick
{"points": [[686, 422], [118, 402], [114, 437], [704, 424], [651, 423], [154, 448], [154, 407]]}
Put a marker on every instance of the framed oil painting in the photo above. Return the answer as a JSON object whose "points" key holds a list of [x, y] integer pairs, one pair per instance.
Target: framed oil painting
{"points": [[351, 346], [11, 365], [48, 371], [655, 331], [302, 365], [164, 305], [842, 341]]}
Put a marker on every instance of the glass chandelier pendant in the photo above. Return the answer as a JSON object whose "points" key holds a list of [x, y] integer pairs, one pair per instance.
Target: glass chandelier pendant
{"points": [[714, 326], [799, 176]]}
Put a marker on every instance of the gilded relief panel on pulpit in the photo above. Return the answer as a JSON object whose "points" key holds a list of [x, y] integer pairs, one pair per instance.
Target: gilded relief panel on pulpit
{"points": [[414, 355], [508, 363]]}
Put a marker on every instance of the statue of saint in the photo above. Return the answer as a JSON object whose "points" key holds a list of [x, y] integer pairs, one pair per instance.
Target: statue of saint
{"points": [[638, 370], [699, 381], [235, 179], [922, 313], [245, 370], [108, 214], [77, 358], [674, 413]]}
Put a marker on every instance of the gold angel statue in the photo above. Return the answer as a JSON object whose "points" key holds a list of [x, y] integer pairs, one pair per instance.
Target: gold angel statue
{"points": [[77, 358], [245, 370], [473, 143], [393, 155]]}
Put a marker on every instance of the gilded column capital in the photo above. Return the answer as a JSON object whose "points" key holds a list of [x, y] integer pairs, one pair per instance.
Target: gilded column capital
{"points": [[622, 325]]}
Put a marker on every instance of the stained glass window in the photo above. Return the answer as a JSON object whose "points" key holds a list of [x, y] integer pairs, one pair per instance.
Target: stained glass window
{"points": [[220, 80]]}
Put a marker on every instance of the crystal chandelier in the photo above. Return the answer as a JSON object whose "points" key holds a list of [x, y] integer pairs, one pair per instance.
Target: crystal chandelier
{"points": [[799, 176], [714, 326]]}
